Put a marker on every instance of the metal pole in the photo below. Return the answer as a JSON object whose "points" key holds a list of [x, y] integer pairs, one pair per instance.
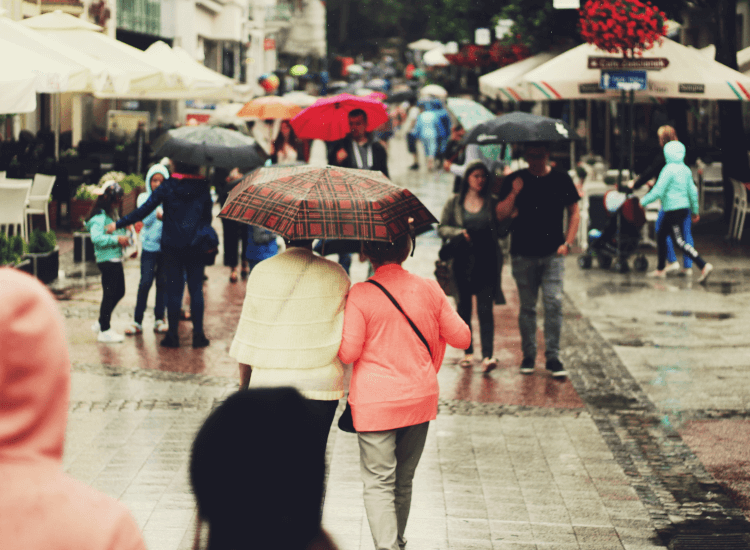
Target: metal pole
{"points": [[572, 129], [631, 132]]}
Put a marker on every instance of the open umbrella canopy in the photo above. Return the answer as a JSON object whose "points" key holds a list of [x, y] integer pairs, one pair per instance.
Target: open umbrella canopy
{"points": [[308, 202], [506, 83], [469, 113], [210, 146], [17, 88], [328, 118], [433, 90], [518, 127], [269, 107]]}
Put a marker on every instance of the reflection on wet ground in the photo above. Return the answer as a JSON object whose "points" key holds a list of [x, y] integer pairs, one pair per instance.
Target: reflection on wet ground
{"points": [[706, 315]]}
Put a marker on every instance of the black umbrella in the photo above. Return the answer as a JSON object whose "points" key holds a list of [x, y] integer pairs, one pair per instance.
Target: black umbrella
{"points": [[210, 146], [518, 127], [401, 95]]}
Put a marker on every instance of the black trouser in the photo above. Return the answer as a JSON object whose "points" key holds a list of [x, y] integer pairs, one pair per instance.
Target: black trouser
{"points": [[322, 413], [671, 225], [484, 296], [234, 233], [113, 289]]}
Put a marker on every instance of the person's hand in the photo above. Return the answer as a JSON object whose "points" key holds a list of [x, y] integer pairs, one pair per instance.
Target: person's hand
{"points": [[563, 250], [447, 165], [696, 218], [514, 212], [630, 184], [159, 214], [466, 235], [139, 226], [123, 241], [341, 155], [517, 185], [233, 175], [110, 228]]}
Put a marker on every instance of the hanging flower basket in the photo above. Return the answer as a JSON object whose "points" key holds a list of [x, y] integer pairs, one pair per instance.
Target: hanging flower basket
{"points": [[627, 27]]}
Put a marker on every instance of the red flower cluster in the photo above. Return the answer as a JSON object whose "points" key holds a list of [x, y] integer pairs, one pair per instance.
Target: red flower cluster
{"points": [[488, 57], [622, 26]]}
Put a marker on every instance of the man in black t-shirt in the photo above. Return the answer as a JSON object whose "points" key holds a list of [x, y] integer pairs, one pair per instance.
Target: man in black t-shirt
{"points": [[536, 198]]}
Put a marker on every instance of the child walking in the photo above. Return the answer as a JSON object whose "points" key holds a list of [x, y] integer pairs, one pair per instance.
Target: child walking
{"points": [[676, 190], [152, 259], [108, 253]]}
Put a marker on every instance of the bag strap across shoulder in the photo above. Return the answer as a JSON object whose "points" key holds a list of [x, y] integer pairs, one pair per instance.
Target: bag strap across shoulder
{"points": [[398, 307]]}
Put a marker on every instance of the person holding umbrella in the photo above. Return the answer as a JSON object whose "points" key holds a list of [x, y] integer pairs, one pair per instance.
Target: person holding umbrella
{"points": [[358, 149], [187, 207], [535, 199]]}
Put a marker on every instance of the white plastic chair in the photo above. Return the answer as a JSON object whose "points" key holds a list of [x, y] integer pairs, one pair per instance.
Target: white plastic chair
{"points": [[13, 197], [740, 209], [41, 189], [711, 182], [2, 177]]}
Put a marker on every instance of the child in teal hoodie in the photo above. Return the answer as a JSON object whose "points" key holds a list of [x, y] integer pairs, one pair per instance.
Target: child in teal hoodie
{"points": [[108, 252], [676, 190]]}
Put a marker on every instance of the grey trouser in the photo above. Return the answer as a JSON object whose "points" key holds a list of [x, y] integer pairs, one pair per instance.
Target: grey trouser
{"points": [[531, 274], [387, 461]]}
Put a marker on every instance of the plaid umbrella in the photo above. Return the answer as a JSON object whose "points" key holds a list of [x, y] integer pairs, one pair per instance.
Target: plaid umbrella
{"points": [[309, 202], [328, 118]]}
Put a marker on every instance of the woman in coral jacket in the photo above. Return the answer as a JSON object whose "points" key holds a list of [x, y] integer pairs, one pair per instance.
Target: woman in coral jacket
{"points": [[41, 506], [394, 387]]}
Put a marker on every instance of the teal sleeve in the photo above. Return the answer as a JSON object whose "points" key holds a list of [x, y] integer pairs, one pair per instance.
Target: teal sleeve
{"points": [[657, 190], [693, 196], [99, 236]]}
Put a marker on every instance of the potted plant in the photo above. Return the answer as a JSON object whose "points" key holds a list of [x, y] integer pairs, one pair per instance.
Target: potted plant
{"points": [[80, 205], [132, 186], [44, 255], [12, 250]]}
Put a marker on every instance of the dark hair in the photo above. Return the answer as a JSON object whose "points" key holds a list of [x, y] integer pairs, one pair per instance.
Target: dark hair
{"points": [[473, 167], [185, 167], [106, 202], [256, 478], [358, 112], [299, 242], [380, 252], [279, 141]]}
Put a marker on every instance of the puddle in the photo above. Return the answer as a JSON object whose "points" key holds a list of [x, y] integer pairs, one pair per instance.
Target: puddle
{"points": [[621, 287], [703, 315]]}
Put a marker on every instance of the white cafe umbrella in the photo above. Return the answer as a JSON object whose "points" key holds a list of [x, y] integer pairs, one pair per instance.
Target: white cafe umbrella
{"points": [[506, 83], [425, 45], [141, 73], [690, 75], [17, 88], [435, 58], [433, 90]]}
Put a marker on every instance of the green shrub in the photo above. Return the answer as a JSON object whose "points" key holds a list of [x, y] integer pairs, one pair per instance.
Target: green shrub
{"points": [[42, 242], [132, 181], [11, 249], [610, 180], [581, 171]]}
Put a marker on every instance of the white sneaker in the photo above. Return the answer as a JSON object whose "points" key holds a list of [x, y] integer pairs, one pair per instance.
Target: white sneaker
{"points": [[95, 327], [110, 337], [686, 272], [160, 326], [674, 266], [657, 274], [707, 269]]}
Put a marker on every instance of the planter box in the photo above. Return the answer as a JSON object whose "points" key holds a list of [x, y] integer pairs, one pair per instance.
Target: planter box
{"points": [[46, 265], [129, 201], [83, 248], [79, 209], [25, 265]]}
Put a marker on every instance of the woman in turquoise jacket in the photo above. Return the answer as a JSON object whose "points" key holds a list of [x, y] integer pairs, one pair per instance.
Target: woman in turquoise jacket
{"points": [[676, 190], [108, 253]]}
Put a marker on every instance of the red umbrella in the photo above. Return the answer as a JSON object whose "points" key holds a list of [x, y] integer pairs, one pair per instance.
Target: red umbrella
{"points": [[309, 202], [328, 118]]}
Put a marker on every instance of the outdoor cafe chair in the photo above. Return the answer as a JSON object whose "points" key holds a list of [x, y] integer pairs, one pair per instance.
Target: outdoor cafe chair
{"points": [[739, 210], [2, 177], [13, 198], [39, 195], [711, 181]]}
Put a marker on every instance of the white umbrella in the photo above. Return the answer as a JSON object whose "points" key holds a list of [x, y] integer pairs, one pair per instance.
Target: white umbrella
{"points": [[355, 68], [435, 58], [142, 74], [17, 88], [433, 90], [301, 98], [50, 76], [689, 74], [425, 45], [506, 83]]}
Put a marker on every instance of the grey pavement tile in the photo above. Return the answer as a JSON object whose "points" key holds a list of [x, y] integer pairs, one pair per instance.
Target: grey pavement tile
{"points": [[596, 535], [469, 544], [557, 546], [466, 528], [508, 512], [502, 545], [548, 514]]}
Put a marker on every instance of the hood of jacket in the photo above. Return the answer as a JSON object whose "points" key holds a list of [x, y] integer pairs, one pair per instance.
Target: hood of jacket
{"points": [[674, 152], [34, 371], [155, 169]]}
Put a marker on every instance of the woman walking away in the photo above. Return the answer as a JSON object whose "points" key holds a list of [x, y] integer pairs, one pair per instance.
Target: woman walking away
{"points": [[108, 253], [257, 484], [187, 208], [394, 388], [676, 190], [152, 259], [470, 227], [233, 231]]}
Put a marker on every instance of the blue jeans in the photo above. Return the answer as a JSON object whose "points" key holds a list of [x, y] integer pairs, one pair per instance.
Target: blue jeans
{"points": [[152, 267], [686, 234], [180, 264], [531, 274]]}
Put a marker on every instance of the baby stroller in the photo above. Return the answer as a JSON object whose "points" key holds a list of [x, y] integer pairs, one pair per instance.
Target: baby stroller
{"points": [[619, 237]]}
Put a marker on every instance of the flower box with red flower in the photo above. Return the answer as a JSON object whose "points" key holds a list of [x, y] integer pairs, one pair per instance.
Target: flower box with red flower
{"points": [[627, 27]]}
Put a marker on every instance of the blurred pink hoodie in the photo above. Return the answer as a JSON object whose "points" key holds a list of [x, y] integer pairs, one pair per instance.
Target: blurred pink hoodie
{"points": [[42, 508]]}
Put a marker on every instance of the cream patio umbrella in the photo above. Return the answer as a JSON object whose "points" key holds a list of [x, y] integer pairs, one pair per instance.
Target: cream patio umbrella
{"points": [[506, 83], [425, 45], [689, 74], [17, 88], [435, 58], [139, 72]]}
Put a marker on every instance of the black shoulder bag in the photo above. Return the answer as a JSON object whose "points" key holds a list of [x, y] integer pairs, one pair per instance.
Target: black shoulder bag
{"points": [[346, 422]]}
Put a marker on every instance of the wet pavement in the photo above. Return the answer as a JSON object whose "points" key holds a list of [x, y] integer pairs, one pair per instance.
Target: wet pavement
{"points": [[644, 446]]}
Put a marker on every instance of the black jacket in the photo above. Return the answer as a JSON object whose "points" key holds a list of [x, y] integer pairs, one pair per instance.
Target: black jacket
{"points": [[379, 156]]}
